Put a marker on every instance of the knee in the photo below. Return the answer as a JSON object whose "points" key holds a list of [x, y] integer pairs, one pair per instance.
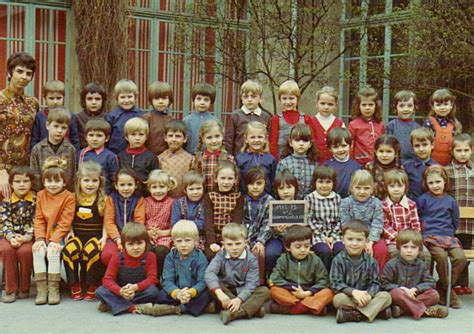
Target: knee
{"points": [[396, 293], [161, 251]]}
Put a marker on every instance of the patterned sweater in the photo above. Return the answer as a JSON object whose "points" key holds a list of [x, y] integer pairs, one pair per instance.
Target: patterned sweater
{"points": [[323, 216], [369, 212], [17, 216]]}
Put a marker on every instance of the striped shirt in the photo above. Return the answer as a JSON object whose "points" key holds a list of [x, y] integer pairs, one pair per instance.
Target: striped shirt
{"points": [[323, 216], [256, 213], [399, 216]]}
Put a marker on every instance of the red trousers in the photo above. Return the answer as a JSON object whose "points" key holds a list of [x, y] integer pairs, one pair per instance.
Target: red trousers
{"points": [[417, 306], [17, 264], [381, 254]]}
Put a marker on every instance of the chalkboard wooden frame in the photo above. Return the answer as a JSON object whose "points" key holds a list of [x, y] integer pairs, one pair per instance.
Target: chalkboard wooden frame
{"points": [[300, 204]]}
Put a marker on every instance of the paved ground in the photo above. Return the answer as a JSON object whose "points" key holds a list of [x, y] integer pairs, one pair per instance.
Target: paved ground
{"points": [[82, 317]]}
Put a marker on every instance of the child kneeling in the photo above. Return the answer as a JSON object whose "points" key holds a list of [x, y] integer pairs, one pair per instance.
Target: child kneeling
{"points": [[299, 282], [354, 277], [233, 276], [408, 279], [183, 272], [130, 281]]}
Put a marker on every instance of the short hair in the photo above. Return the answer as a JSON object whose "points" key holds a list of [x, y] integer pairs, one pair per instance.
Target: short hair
{"points": [[407, 235], [23, 59], [361, 177], [388, 140], [226, 164], [396, 176], [296, 233], [98, 124], [328, 90], [134, 232], [127, 171], [462, 137], [337, 136], [176, 125], [285, 177], [160, 89], [125, 86], [161, 177], [254, 174], [54, 86], [234, 231], [257, 126], [192, 177], [59, 115], [404, 95], [357, 226], [301, 132], [251, 86], [20, 170], [136, 124], [436, 170], [289, 87], [367, 92], [422, 134], [54, 167], [91, 88], [324, 173], [185, 229], [205, 89], [442, 96]]}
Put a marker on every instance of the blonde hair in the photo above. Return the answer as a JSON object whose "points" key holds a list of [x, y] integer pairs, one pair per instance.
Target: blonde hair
{"points": [[54, 168], [161, 177], [361, 177], [396, 176], [59, 115], [125, 86], [422, 134], [192, 177], [206, 127], [136, 124], [328, 90], [289, 87], [89, 168], [54, 86], [445, 95], [185, 229], [251, 86], [234, 231], [256, 125]]}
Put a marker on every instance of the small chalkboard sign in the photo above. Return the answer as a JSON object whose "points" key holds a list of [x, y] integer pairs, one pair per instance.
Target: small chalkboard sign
{"points": [[288, 212]]}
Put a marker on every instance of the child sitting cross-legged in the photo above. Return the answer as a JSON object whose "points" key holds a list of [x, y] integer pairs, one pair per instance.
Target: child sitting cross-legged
{"points": [[130, 280], [299, 282], [355, 279], [408, 279], [184, 269], [232, 277]]}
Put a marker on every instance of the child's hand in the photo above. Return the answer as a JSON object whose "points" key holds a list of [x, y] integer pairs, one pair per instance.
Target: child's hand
{"points": [[118, 242], [215, 247], [223, 298], [126, 293], [4, 184], [329, 241], [184, 296], [14, 242], [300, 293], [280, 228], [409, 292], [234, 304], [102, 242], [258, 249], [369, 248], [38, 245], [362, 298]]}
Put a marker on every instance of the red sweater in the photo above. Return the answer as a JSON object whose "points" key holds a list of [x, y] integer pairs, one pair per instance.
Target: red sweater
{"points": [[110, 277], [364, 134], [320, 138]]}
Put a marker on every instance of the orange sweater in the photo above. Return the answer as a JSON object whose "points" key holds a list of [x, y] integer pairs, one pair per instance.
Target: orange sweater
{"points": [[54, 215], [109, 216]]}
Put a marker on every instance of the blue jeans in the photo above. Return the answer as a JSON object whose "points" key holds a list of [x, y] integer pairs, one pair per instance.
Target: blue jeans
{"points": [[327, 254], [273, 249], [118, 304], [196, 306]]}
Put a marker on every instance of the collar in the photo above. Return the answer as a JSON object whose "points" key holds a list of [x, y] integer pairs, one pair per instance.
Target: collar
{"points": [[331, 117], [10, 94], [212, 154], [256, 200], [241, 256], [297, 156], [97, 150], [408, 120], [28, 197], [346, 159], [136, 151], [201, 114], [164, 112], [247, 111], [403, 202], [458, 165], [318, 196], [406, 262], [429, 162]]}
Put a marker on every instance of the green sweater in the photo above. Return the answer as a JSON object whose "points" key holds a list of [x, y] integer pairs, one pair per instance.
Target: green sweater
{"points": [[308, 273]]}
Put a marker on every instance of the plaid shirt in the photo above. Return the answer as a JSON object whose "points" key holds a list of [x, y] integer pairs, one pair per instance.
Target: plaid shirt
{"points": [[158, 215], [399, 216], [176, 164], [323, 216], [18, 215], [302, 169], [207, 163], [399, 272], [256, 213], [219, 210], [461, 179], [349, 273]]}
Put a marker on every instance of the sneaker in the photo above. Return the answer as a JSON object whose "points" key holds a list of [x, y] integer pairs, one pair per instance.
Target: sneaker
{"points": [[466, 290], [437, 311], [276, 308], [385, 314], [397, 311], [8, 297], [157, 310], [455, 301], [76, 293], [344, 315], [103, 307], [459, 290], [260, 313], [90, 294], [323, 312]]}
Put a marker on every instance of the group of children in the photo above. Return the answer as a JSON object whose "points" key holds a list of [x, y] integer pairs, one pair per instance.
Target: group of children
{"points": [[133, 200]]}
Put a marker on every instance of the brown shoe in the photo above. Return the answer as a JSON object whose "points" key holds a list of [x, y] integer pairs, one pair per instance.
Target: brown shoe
{"points": [[53, 289], [276, 308], [103, 307], [227, 316], [397, 311], [23, 294], [455, 301], [158, 309], [385, 314], [8, 297], [437, 311], [211, 308], [344, 315], [41, 289]]}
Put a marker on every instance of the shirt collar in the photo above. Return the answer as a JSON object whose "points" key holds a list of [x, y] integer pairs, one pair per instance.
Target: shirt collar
{"points": [[210, 154], [164, 112], [247, 111], [28, 197], [403, 202], [241, 256], [331, 195], [457, 165], [97, 150], [135, 151]]}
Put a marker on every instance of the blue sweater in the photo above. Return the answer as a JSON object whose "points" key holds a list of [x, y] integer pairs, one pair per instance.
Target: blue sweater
{"points": [[415, 169], [402, 130], [193, 122], [247, 160], [344, 172], [439, 216], [194, 211], [117, 119]]}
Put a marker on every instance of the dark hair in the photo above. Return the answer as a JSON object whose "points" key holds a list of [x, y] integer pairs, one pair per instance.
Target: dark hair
{"points": [[296, 233], [176, 125], [367, 92], [205, 89], [405, 95], [98, 124], [324, 173], [391, 141], [285, 177], [93, 87], [59, 115], [442, 96], [20, 170], [337, 135], [356, 225], [127, 171], [407, 235], [254, 174], [133, 232], [301, 132], [20, 59], [160, 89]]}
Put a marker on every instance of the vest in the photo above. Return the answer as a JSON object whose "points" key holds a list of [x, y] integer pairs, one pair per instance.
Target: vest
{"points": [[321, 136], [127, 275], [87, 221], [284, 131], [442, 143]]}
